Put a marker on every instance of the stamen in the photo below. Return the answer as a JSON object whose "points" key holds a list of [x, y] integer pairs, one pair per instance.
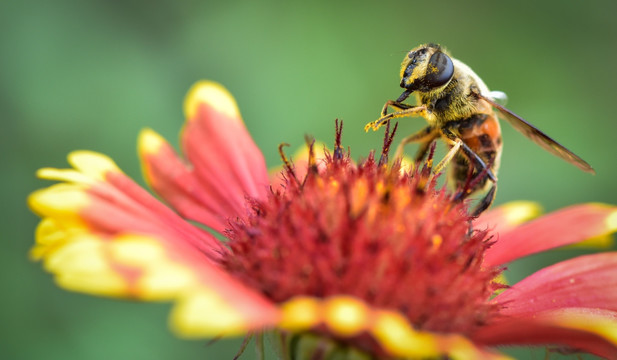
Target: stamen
{"points": [[428, 166], [312, 169], [310, 143], [287, 165], [425, 176], [338, 148], [387, 142]]}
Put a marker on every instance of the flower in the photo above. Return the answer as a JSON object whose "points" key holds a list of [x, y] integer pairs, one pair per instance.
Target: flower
{"points": [[361, 259]]}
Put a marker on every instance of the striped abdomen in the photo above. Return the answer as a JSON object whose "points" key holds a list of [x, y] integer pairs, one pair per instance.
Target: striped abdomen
{"points": [[481, 132]]}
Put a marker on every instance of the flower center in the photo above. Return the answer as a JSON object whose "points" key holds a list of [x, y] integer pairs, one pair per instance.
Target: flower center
{"points": [[370, 231]]}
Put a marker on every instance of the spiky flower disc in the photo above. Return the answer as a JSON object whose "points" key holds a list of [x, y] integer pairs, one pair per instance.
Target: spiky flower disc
{"points": [[372, 232]]}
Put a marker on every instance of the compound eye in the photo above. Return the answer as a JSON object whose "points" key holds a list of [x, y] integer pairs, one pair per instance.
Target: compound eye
{"points": [[439, 71]]}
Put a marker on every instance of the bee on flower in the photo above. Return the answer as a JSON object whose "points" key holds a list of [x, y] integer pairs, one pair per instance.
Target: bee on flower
{"points": [[336, 258]]}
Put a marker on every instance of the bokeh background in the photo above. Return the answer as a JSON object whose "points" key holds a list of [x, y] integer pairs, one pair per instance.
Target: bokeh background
{"points": [[90, 74]]}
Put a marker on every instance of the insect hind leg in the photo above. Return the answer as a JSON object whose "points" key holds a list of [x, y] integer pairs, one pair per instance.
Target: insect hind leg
{"points": [[476, 160], [476, 183], [486, 201]]}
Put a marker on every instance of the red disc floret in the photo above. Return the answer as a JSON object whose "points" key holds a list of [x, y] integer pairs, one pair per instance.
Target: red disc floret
{"points": [[371, 231]]}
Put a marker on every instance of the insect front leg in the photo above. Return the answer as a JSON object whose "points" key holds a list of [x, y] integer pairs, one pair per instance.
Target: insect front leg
{"points": [[410, 111], [395, 105]]}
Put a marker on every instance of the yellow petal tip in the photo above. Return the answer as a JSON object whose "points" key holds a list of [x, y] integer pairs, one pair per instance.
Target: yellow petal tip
{"points": [[149, 141], [396, 335], [93, 164], [58, 200], [517, 212], [300, 313], [204, 314], [611, 221], [212, 94], [346, 316], [67, 175]]}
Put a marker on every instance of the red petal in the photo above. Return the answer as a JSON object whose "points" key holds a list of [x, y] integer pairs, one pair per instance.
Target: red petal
{"points": [[563, 227], [237, 308], [507, 217], [585, 281], [590, 330], [224, 157], [127, 207], [225, 164], [177, 184], [103, 234], [100, 196]]}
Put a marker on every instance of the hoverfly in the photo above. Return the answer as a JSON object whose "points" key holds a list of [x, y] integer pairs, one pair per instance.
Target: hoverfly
{"points": [[460, 110]]}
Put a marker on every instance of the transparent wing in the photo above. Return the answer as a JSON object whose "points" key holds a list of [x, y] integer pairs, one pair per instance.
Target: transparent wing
{"points": [[537, 136], [499, 96]]}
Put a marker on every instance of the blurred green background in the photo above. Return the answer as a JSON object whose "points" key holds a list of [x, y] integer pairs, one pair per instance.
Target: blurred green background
{"points": [[90, 74]]}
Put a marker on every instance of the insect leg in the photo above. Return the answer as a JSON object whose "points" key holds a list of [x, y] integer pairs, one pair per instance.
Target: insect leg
{"points": [[474, 158], [456, 145], [424, 136], [486, 201], [395, 105], [412, 111], [422, 150]]}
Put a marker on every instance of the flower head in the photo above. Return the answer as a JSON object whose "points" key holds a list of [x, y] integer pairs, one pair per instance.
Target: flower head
{"points": [[363, 257], [369, 231]]}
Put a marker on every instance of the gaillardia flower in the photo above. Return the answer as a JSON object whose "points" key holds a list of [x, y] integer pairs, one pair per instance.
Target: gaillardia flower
{"points": [[345, 260]]}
